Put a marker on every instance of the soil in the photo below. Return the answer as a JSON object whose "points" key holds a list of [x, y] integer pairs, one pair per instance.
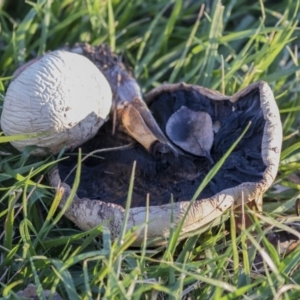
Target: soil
{"points": [[106, 175]]}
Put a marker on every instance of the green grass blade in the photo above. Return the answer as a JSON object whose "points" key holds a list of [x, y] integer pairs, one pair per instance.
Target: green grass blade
{"points": [[111, 26]]}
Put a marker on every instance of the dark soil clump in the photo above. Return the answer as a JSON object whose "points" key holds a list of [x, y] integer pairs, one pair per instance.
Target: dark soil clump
{"points": [[106, 175]]}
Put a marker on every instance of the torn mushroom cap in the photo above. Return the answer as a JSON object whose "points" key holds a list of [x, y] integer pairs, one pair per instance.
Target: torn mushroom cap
{"points": [[128, 109]]}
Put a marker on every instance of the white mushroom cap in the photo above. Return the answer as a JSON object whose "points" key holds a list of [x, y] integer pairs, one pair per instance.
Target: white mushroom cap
{"points": [[63, 95]]}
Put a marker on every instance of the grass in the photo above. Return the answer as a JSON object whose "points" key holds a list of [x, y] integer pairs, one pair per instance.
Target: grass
{"points": [[224, 46]]}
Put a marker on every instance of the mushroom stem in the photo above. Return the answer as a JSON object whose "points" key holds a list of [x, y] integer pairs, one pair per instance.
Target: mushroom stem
{"points": [[135, 126]]}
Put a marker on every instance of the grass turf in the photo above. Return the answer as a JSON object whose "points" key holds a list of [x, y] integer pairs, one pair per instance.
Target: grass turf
{"points": [[224, 46]]}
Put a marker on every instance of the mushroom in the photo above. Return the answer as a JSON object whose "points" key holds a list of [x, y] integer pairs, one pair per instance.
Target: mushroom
{"points": [[67, 95], [244, 177], [63, 96]]}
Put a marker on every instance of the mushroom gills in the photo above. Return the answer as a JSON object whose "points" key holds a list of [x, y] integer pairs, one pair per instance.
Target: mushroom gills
{"points": [[192, 131], [107, 179]]}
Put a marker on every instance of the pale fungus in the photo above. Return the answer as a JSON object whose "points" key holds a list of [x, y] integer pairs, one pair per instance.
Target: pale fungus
{"points": [[63, 96]]}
